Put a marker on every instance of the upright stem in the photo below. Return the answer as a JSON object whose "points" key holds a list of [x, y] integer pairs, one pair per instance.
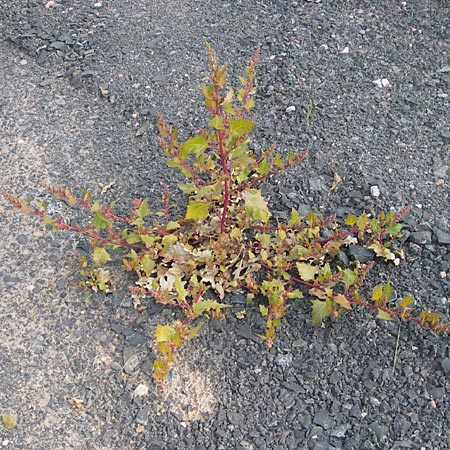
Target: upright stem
{"points": [[223, 161]]}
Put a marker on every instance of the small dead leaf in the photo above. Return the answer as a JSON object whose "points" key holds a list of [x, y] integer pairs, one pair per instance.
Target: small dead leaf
{"points": [[77, 403], [8, 421], [432, 404], [440, 182], [336, 181], [140, 429], [241, 314], [106, 187]]}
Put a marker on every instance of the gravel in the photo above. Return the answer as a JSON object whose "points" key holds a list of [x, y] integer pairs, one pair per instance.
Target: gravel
{"points": [[362, 85]]}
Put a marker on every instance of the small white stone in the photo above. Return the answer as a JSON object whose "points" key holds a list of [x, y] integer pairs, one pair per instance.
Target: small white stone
{"points": [[382, 82], [374, 191], [345, 50], [290, 109], [141, 390]]}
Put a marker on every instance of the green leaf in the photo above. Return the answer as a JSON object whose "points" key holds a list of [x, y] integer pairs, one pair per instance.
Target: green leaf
{"points": [[256, 205], [264, 310], [143, 209], [180, 290], [239, 151], [306, 271], [341, 300], [406, 301], [8, 421], [169, 240], [171, 225], [377, 293], [348, 278], [148, 264], [187, 189], [239, 127], [164, 333], [319, 311], [147, 240], [278, 162], [395, 229], [295, 218], [217, 123], [205, 305], [197, 210], [193, 145], [100, 256], [263, 167], [133, 238], [100, 221], [383, 315], [351, 220], [249, 104], [194, 331]]}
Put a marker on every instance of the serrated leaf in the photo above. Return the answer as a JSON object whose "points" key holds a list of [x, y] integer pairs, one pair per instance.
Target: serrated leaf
{"points": [[217, 123], [342, 301], [406, 301], [164, 333], [95, 206], [143, 209], [194, 331], [395, 229], [306, 271], [133, 238], [197, 210], [249, 104], [206, 305], [193, 145], [228, 97], [238, 127], [296, 293], [256, 205], [383, 315], [377, 293], [171, 225], [319, 311], [100, 256], [351, 220], [263, 167], [348, 277], [186, 188], [295, 218], [264, 310], [239, 151], [148, 264], [169, 240], [8, 421], [147, 240], [180, 290], [100, 221], [278, 162]]}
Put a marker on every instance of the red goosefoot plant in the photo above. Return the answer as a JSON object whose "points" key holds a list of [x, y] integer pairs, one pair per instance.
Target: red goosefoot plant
{"points": [[227, 239]]}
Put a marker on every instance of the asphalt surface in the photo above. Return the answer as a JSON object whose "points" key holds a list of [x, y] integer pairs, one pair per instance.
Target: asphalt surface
{"points": [[362, 85]]}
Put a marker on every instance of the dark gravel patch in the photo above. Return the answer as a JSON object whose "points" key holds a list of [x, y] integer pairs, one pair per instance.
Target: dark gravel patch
{"points": [[82, 83]]}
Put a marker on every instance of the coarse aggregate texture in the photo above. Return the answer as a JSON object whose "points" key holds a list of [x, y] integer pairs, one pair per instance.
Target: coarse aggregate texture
{"points": [[362, 85]]}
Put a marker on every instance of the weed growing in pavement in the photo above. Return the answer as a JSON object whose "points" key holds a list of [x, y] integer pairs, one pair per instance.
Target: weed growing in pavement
{"points": [[227, 239]]}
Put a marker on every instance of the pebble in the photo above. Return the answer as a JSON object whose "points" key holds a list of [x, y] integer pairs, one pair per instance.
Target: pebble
{"points": [[290, 109], [141, 390], [341, 430], [374, 191], [442, 237], [235, 418], [323, 419], [360, 253], [445, 364], [420, 237], [382, 82]]}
